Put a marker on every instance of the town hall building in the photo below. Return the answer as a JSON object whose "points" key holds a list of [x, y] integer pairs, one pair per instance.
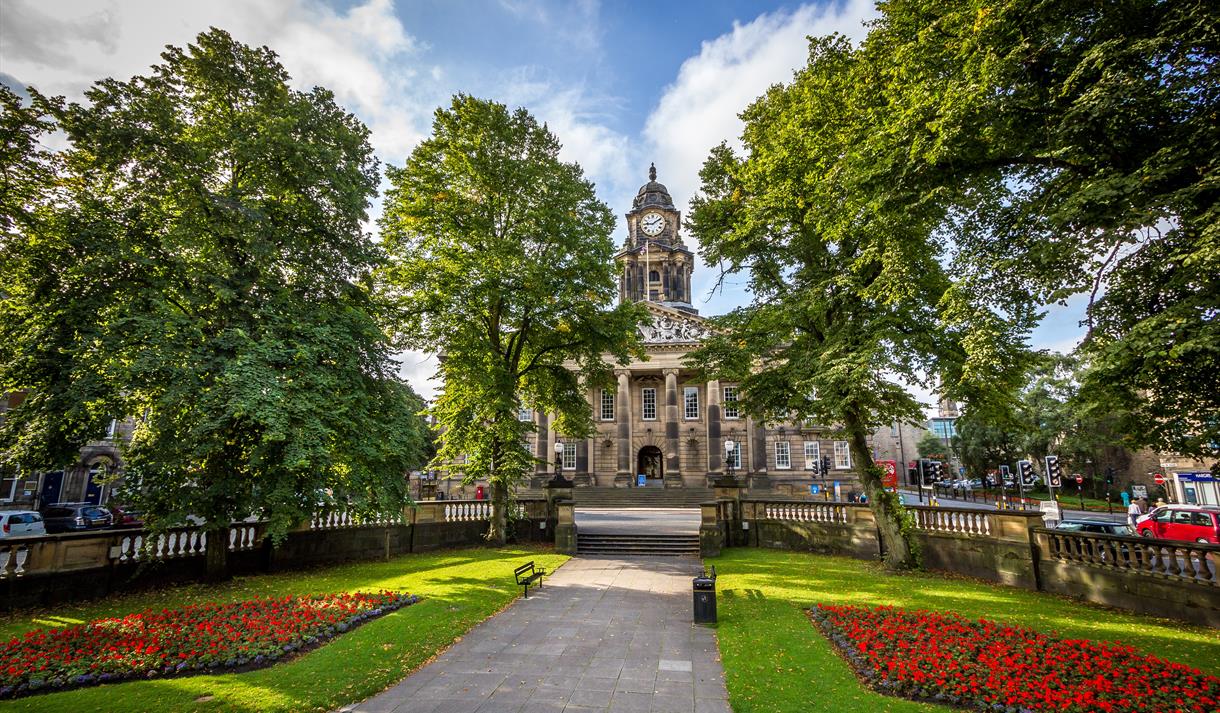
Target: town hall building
{"points": [[662, 427]]}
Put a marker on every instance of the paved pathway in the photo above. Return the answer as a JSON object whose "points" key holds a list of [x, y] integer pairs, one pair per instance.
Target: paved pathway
{"points": [[602, 635]]}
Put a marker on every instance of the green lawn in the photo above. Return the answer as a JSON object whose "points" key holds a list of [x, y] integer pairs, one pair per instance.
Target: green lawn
{"points": [[460, 588], [775, 661]]}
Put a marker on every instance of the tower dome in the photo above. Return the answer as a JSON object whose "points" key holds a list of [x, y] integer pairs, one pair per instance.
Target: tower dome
{"points": [[652, 194]]}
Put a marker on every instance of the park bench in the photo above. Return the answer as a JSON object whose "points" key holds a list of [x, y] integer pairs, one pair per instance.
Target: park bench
{"points": [[526, 575]]}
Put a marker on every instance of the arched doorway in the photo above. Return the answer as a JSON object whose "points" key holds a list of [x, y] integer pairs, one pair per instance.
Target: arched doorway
{"points": [[651, 463]]}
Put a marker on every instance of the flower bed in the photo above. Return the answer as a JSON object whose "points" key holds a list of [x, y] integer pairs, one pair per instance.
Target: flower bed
{"points": [[947, 659], [195, 639]]}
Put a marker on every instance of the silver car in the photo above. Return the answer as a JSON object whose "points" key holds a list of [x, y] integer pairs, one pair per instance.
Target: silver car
{"points": [[21, 523]]}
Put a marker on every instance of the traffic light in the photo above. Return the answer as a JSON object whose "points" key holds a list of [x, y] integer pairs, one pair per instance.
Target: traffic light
{"points": [[825, 465], [1109, 475], [1026, 469], [1005, 474], [936, 473], [925, 471], [1054, 475]]}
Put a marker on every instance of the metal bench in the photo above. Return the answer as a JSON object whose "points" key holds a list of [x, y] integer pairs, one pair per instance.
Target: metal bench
{"points": [[526, 575]]}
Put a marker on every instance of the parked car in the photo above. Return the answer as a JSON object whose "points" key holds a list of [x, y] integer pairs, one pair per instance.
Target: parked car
{"points": [[1197, 523], [125, 516], [20, 523], [75, 517], [1101, 527]]}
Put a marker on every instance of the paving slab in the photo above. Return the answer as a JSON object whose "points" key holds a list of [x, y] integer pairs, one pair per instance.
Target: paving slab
{"points": [[603, 634]]}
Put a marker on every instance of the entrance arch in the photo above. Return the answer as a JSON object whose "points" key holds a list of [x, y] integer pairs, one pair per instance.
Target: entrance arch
{"points": [[651, 463]]}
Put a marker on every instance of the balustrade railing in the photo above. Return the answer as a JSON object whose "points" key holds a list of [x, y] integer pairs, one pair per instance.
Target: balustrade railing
{"points": [[803, 512], [13, 556], [1184, 561], [979, 523], [467, 510]]}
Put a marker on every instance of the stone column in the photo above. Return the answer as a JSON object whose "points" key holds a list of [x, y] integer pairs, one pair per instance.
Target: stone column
{"points": [[715, 449], [542, 443], [673, 466], [622, 416]]}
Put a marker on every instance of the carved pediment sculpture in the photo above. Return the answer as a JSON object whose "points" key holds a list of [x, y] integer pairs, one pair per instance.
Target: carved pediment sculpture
{"points": [[666, 329]]}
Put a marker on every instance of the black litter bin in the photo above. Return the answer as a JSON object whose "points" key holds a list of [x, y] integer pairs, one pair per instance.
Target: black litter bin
{"points": [[704, 589]]}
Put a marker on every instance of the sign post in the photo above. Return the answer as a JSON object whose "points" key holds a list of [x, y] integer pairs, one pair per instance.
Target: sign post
{"points": [[1080, 489]]}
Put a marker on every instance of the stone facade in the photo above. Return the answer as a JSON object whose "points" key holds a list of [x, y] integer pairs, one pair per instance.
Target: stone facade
{"points": [[86, 479], [660, 420]]}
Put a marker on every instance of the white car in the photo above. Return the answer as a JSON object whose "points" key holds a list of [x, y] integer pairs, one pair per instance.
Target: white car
{"points": [[20, 523]]}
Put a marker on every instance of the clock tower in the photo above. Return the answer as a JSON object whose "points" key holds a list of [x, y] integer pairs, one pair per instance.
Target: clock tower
{"points": [[655, 265]]}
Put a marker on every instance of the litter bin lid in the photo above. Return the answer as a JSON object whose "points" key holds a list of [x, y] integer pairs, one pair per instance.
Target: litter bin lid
{"points": [[704, 583]]}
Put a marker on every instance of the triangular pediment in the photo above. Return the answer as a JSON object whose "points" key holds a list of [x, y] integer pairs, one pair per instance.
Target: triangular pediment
{"points": [[671, 326]]}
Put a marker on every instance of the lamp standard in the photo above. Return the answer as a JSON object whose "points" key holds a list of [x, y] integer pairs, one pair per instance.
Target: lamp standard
{"points": [[559, 479], [729, 446]]}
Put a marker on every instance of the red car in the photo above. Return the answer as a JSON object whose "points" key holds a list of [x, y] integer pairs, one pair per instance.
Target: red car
{"points": [[1196, 523], [125, 517]]}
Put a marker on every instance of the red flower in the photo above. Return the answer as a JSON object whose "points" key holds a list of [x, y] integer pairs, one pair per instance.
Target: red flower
{"points": [[977, 663]]}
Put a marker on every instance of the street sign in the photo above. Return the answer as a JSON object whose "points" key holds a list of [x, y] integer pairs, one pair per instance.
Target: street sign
{"points": [[1160, 478], [889, 475], [1139, 491], [814, 489], [1079, 478]]}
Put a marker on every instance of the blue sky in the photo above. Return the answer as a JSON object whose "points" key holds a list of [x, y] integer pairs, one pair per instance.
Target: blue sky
{"points": [[622, 84]]}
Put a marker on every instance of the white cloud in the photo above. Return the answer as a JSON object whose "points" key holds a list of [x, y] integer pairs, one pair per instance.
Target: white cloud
{"points": [[700, 109], [353, 53], [359, 53]]}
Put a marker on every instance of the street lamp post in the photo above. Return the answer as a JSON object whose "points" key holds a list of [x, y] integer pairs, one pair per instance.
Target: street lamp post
{"points": [[559, 479]]}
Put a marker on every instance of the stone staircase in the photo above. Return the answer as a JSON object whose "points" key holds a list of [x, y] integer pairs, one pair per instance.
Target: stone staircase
{"points": [[636, 545], [641, 497]]}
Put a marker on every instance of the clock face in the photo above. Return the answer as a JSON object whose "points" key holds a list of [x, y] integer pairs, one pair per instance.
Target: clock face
{"points": [[652, 224]]}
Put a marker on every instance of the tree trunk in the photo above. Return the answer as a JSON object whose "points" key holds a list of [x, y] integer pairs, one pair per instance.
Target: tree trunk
{"points": [[216, 555], [497, 532], [893, 524]]}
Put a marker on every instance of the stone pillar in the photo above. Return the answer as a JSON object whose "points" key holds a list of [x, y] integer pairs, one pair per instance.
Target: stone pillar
{"points": [[715, 449], [673, 467], [542, 444], [565, 527], [757, 434], [622, 416]]}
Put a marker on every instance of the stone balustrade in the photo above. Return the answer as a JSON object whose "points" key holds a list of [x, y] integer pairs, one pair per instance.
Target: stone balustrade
{"points": [[805, 512], [1162, 559], [45, 568]]}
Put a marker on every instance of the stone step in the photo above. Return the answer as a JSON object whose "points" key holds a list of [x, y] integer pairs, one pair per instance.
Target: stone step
{"points": [[640, 545]]}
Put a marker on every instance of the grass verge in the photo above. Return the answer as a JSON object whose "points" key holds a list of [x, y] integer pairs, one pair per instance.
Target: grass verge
{"points": [[460, 588], [776, 661]]}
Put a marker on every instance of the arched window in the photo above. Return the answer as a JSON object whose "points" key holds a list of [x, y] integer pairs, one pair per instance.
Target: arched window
{"points": [[654, 276]]}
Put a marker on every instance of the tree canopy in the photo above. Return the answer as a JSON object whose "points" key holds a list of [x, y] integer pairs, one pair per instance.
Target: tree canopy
{"points": [[849, 292], [502, 263], [1077, 143], [207, 273]]}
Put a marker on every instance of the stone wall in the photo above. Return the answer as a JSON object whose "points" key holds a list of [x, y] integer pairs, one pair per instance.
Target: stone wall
{"points": [[1155, 577], [51, 569]]}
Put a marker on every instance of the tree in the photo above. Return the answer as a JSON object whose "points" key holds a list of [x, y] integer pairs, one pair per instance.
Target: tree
{"points": [[849, 293], [209, 275], [502, 263], [1077, 142], [932, 447], [985, 442]]}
